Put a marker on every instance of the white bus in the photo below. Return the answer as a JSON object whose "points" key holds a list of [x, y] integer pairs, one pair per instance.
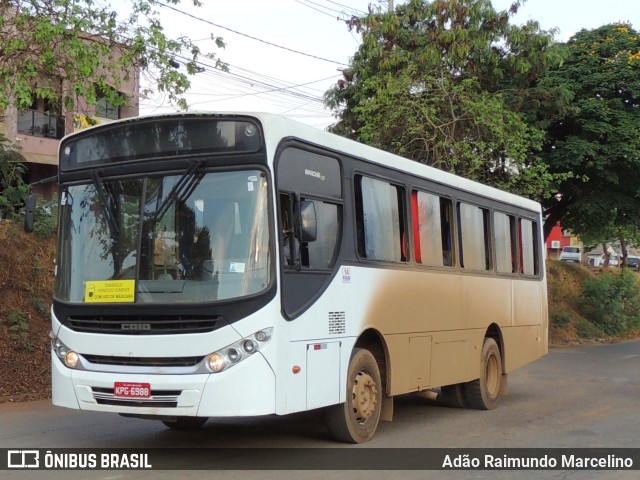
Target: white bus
{"points": [[214, 265]]}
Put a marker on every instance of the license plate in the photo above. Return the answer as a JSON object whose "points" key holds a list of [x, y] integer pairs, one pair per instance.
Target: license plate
{"points": [[132, 390]]}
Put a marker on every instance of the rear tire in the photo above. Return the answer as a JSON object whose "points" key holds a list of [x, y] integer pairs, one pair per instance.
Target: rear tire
{"points": [[356, 420], [484, 393], [185, 423]]}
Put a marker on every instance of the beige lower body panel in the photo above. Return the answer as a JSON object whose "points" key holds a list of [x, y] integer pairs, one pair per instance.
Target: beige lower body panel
{"points": [[523, 345], [419, 361]]}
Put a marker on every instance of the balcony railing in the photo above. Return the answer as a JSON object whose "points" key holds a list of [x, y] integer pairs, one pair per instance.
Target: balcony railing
{"points": [[40, 124]]}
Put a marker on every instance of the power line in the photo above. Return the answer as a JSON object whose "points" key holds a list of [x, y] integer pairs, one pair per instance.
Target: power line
{"points": [[272, 88], [306, 4], [354, 10], [280, 89], [250, 36]]}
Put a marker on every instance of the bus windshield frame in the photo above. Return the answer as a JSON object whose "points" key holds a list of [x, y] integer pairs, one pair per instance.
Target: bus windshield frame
{"points": [[182, 237]]}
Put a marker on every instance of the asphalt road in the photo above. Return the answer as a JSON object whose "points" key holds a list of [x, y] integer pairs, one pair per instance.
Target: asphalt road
{"points": [[586, 397]]}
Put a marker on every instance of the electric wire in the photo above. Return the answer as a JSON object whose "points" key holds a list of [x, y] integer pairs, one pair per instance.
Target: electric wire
{"points": [[306, 4], [195, 17]]}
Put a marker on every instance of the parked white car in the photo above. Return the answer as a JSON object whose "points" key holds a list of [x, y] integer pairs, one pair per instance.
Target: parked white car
{"points": [[571, 254], [598, 261]]}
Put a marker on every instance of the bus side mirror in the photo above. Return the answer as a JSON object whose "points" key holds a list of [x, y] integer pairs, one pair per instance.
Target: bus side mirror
{"points": [[30, 213], [308, 221]]}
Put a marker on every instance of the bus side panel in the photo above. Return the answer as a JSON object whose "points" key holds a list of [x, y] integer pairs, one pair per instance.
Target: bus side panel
{"points": [[405, 306], [323, 374], [529, 338], [523, 345], [486, 300], [410, 362], [413, 301], [456, 356], [527, 298]]}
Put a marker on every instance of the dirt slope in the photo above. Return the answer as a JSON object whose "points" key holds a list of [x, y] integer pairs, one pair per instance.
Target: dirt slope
{"points": [[26, 285]]}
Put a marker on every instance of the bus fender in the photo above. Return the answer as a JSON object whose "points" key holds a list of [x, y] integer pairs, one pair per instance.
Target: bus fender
{"points": [[386, 412]]}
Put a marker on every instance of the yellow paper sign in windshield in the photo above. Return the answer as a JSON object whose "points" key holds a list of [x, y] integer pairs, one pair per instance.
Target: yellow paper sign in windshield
{"points": [[112, 291]]}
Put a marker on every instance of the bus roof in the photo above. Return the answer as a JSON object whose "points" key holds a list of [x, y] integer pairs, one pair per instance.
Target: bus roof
{"points": [[278, 127], [374, 155]]}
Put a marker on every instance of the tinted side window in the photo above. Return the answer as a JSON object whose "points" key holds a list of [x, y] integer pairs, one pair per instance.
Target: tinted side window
{"points": [[380, 220], [504, 229], [432, 234], [303, 177], [529, 255], [474, 237], [320, 254]]}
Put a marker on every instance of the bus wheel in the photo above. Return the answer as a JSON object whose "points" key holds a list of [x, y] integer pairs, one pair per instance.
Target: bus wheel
{"points": [[483, 393], [185, 423], [356, 420]]}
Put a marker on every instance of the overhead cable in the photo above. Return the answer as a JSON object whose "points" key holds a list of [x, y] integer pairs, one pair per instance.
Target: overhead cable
{"points": [[250, 36]]}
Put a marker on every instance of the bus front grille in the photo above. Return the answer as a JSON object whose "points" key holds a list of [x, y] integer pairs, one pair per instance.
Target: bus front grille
{"points": [[144, 361], [158, 398], [145, 325]]}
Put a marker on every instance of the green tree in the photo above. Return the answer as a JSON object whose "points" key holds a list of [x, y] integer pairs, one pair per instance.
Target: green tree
{"points": [[63, 50], [12, 186], [596, 136], [450, 83]]}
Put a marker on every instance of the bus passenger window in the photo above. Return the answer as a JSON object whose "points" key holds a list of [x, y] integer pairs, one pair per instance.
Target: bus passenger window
{"points": [[504, 229], [433, 239], [529, 256], [446, 218], [473, 224], [380, 220]]}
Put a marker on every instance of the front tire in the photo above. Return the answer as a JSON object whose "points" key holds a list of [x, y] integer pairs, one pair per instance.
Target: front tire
{"points": [[483, 393], [356, 420]]}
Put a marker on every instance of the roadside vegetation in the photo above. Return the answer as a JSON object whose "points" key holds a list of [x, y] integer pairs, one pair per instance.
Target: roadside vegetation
{"points": [[589, 304]]}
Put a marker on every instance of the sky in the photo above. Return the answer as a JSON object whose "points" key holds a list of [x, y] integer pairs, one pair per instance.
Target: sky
{"points": [[284, 54]]}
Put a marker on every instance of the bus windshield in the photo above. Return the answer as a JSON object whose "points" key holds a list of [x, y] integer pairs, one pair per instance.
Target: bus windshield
{"points": [[188, 237]]}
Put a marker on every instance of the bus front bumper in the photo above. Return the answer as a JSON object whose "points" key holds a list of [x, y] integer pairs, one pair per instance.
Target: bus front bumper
{"points": [[246, 389]]}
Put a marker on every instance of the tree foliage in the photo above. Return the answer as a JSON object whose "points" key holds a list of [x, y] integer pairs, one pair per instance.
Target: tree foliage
{"points": [[12, 187], [450, 83], [596, 136], [612, 301], [63, 50]]}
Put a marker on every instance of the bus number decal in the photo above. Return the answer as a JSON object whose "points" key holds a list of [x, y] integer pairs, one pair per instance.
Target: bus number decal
{"points": [[346, 274]]}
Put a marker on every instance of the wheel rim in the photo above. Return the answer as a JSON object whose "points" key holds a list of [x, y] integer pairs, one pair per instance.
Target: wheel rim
{"points": [[492, 375], [364, 397]]}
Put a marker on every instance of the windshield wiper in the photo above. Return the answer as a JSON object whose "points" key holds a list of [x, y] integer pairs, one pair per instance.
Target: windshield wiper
{"points": [[181, 191]]}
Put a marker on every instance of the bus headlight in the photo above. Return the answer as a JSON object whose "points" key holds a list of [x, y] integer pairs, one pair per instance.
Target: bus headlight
{"points": [[216, 362], [70, 358], [238, 351]]}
